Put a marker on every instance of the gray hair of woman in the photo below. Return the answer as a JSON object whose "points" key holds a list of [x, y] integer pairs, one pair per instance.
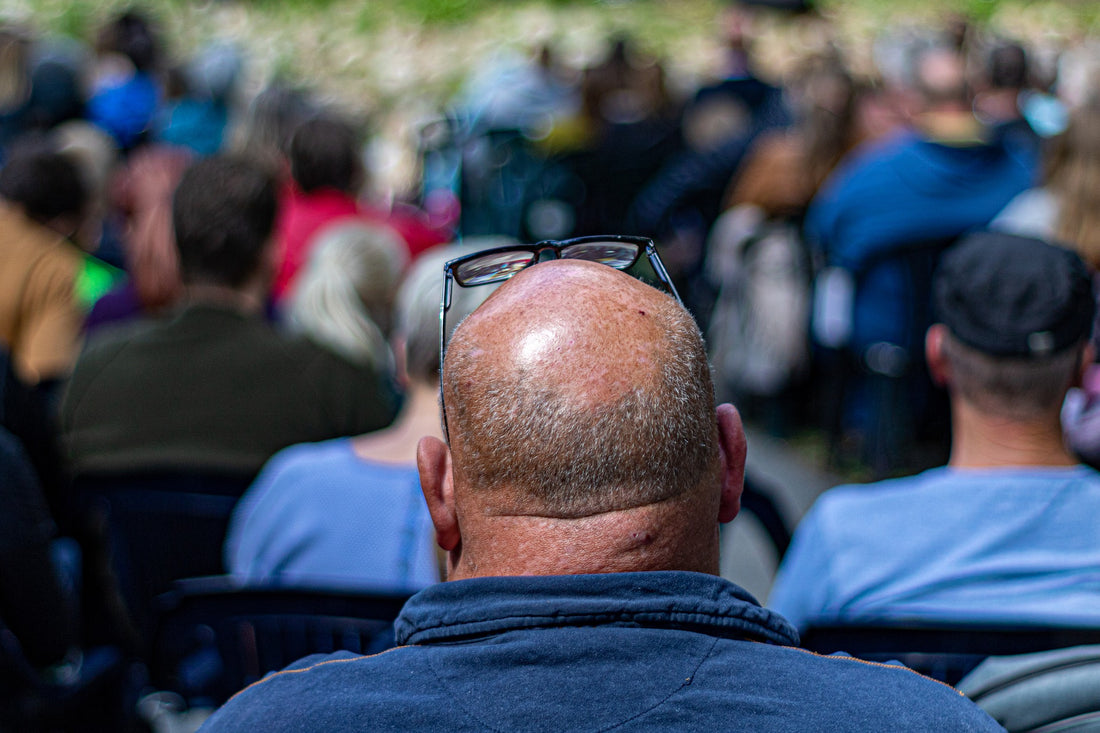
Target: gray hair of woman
{"points": [[416, 312], [344, 295]]}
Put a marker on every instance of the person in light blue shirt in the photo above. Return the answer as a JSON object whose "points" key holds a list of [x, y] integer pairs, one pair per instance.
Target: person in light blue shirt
{"points": [[1007, 531], [320, 515], [349, 513]]}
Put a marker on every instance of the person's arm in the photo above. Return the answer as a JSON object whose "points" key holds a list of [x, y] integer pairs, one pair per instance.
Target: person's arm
{"points": [[50, 334], [33, 604]]}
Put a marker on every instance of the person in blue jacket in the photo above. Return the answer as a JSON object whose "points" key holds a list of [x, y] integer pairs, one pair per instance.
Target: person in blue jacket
{"points": [[578, 501]]}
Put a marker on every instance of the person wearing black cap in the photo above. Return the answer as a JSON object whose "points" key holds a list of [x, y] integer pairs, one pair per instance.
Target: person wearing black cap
{"points": [[1006, 532]]}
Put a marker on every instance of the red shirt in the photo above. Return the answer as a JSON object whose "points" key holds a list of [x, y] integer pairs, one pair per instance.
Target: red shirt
{"points": [[302, 215]]}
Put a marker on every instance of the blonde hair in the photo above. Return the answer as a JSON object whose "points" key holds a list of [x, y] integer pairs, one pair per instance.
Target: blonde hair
{"points": [[1073, 175], [343, 297]]}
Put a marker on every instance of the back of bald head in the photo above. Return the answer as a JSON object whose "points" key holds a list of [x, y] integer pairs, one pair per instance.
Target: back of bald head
{"points": [[576, 390]]}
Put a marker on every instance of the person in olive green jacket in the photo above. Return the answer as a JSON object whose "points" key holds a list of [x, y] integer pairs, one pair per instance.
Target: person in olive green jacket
{"points": [[214, 387]]}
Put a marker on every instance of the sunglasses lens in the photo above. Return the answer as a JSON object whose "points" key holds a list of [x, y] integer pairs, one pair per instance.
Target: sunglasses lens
{"points": [[492, 268], [620, 255]]}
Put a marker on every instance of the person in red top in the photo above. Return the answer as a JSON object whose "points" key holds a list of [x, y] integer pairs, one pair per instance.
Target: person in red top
{"points": [[326, 174]]}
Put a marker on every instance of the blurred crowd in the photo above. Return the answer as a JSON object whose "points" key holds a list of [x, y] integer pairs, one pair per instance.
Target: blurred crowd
{"points": [[194, 284]]}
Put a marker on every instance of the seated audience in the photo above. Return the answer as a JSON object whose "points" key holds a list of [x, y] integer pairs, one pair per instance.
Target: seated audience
{"points": [[214, 387], [126, 89], [1000, 89], [328, 173], [95, 156], [942, 180], [784, 168], [1006, 532], [40, 316], [197, 115], [349, 511], [1066, 209], [579, 503], [143, 196], [269, 122]]}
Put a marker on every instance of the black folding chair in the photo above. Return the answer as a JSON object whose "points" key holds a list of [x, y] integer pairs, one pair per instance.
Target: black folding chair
{"points": [[156, 528], [902, 403], [1049, 691], [758, 499], [215, 636], [945, 652], [89, 694]]}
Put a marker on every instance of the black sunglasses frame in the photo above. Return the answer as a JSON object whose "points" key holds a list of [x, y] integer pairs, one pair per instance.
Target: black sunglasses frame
{"points": [[645, 246]]}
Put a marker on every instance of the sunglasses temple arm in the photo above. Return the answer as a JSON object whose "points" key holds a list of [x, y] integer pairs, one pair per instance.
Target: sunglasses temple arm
{"points": [[659, 268], [444, 306]]}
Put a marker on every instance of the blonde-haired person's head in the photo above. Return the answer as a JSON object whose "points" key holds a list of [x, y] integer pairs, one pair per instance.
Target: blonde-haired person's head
{"points": [[344, 295]]}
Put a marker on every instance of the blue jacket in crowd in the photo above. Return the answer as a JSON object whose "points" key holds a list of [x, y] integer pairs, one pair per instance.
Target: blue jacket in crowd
{"points": [[628, 651], [894, 194]]}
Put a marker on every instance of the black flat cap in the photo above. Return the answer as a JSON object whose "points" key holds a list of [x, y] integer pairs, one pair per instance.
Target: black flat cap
{"points": [[1006, 295]]}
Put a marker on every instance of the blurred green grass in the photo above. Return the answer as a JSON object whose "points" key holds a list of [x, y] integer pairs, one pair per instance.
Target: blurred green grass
{"points": [[414, 54]]}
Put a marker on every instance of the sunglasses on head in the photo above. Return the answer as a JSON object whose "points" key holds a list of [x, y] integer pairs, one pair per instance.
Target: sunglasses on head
{"points": [[623, 252]]}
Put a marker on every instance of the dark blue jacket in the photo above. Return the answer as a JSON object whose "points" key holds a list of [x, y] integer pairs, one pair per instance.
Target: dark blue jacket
{"points": [[630, 651], [894, 194]]}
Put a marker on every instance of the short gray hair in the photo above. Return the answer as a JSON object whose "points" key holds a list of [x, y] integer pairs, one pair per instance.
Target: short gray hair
{"points": [[416, 310]]}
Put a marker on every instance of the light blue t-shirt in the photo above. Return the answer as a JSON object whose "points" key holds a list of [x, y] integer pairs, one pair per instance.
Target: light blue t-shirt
{"points": [[318, 515], [999, 545]]}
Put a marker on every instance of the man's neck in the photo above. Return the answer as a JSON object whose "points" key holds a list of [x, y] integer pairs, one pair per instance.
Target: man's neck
{"points": [[637, 539], [247, 299], [982, 440], [950, 126]]}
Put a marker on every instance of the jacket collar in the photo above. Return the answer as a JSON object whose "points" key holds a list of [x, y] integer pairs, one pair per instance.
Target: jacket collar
{"points": [[707, 604]]}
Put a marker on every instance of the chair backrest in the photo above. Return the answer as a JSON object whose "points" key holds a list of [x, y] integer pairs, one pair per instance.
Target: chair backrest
{"points": [[759, 498], [944, 652], [917, 262], [1047, 691], [85, 696], [215, 636], [160, 528], [901, 406]]}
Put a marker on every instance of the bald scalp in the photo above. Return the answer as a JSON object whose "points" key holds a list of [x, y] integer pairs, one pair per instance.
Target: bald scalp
{"points": [[580, 390]]}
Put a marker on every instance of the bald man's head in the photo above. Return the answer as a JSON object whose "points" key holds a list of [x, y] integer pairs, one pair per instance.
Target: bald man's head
{"points": [[577, 389]]}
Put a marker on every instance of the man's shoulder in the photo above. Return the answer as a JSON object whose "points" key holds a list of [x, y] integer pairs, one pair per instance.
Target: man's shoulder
{"points": [[872, 158], [395, 690], [338, 691], [32, 250], [837, 690], [305, 465], [111, 340], [944, 482], [845, 498]]}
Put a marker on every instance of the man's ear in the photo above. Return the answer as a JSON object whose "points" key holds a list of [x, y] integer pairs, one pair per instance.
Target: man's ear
{"points": [[433, 459], [939, 368], [732, 448]]}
